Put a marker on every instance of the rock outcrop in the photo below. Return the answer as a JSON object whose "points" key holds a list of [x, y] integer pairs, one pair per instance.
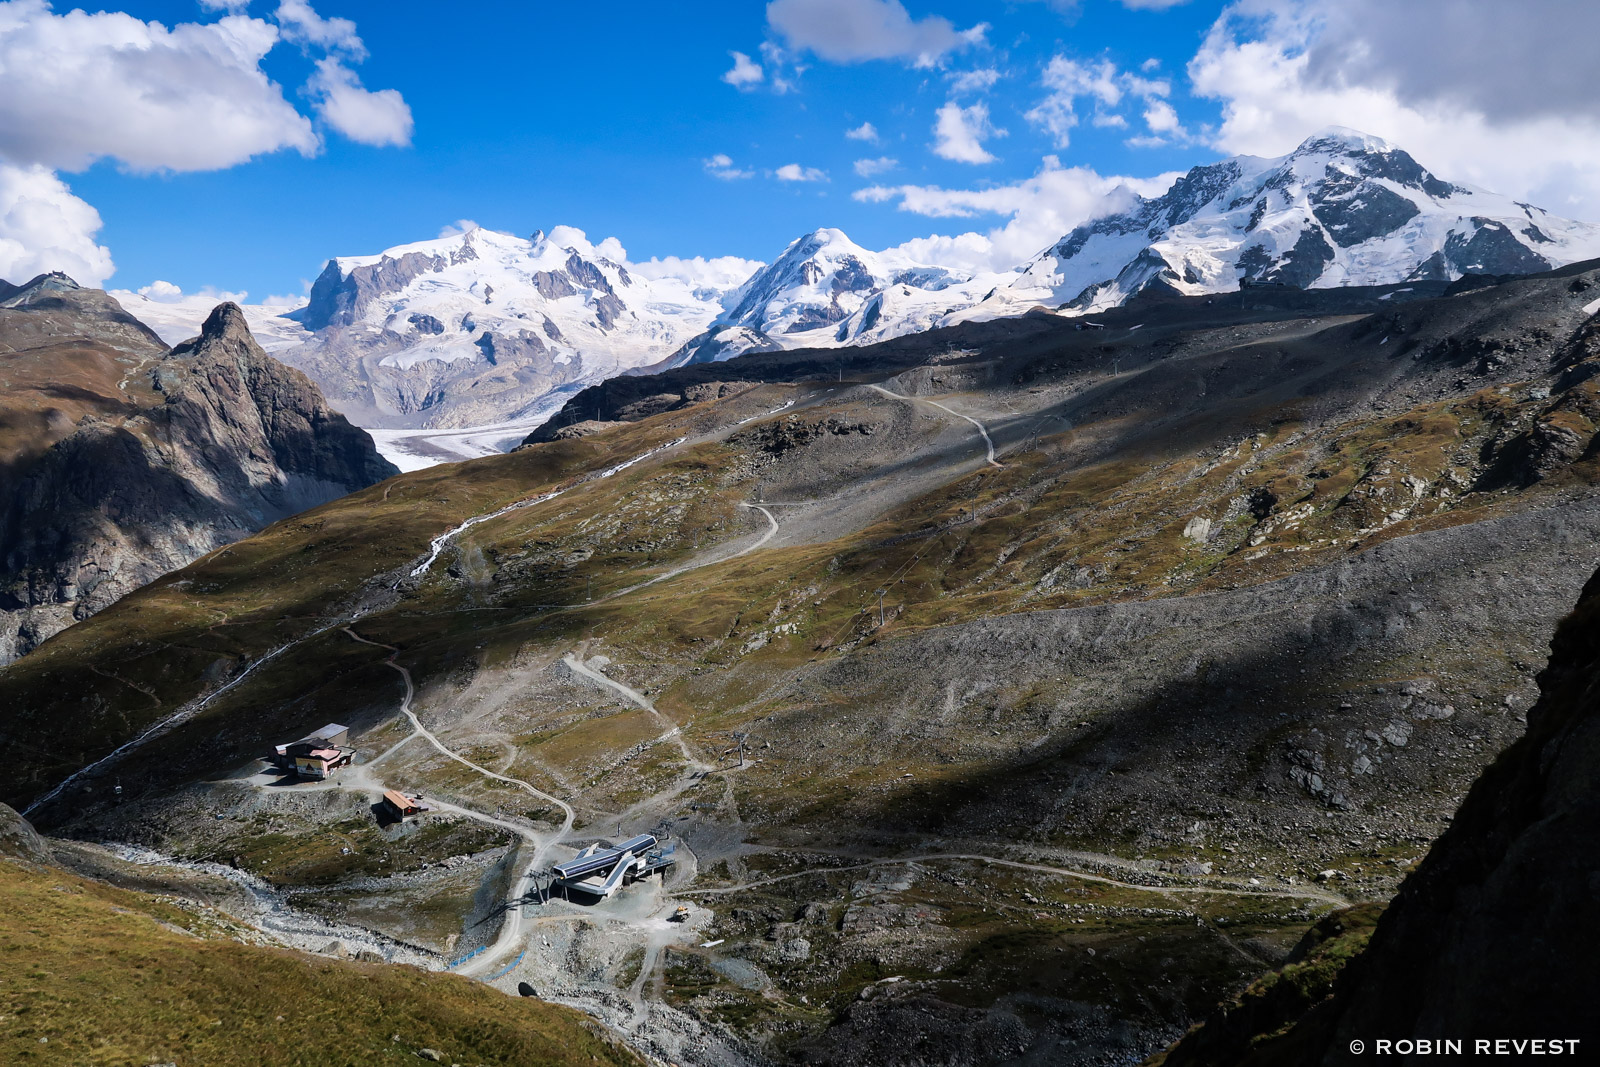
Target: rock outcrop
{"points": [[123, 460]]}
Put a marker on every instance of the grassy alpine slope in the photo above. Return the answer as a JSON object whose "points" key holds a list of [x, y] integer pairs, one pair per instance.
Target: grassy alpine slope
{"points": [[1251, 595], [92, 974]]}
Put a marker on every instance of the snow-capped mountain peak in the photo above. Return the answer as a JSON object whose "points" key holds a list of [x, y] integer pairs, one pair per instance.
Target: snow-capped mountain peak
{"points": [[824, 289], [1343, 208]]}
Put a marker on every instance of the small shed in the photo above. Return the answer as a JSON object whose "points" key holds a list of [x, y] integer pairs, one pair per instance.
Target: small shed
{"points": [[402, 806]]}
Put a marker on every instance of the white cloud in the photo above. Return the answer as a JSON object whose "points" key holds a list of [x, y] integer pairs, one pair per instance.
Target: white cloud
{"points": [[453, 229], [78, 87], [960, 133], [794, 172], [869, 167], [301, 24], [373, 118], [165, 292], [721, 166], [864, 132], [44, 227], [1162, 118], [162, 292], [1493, 103], [778, 61], [745, 72], [232, 7], [1039, 210], [973, 81], [854, 31], [1068, 79], [721, 272]]}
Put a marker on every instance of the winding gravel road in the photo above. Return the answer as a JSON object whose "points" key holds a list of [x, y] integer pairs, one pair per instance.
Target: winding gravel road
{"points": [[511, 930], [983, 430]]}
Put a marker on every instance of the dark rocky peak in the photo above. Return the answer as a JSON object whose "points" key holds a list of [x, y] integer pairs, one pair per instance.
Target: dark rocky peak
{"points": [[1192, 192], [585, 273], [226, 325]]}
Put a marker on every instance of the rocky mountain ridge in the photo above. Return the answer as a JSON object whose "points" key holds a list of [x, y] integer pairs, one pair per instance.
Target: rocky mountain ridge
{"points": [[489, 330], [125, 459]]}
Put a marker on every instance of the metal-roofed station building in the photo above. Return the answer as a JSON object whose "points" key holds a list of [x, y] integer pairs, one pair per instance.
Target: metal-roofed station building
{"points": [[317, 754], [599, 871]]}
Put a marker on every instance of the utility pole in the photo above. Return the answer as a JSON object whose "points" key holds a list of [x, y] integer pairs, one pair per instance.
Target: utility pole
{"points": [[880, 607]]}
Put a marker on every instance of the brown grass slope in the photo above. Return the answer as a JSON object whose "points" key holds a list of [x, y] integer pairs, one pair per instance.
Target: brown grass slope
{"points": [[91, 974]]}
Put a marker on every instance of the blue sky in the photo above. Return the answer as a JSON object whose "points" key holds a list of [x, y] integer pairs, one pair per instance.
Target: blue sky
{"points": [[617, 118]]}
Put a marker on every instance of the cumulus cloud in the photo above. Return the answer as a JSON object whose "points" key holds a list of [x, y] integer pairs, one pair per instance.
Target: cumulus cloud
{"points": [[720, 272], [1162, 120], [745, 72], [1068, 80], [454, 229], [794, 172], [81, 86], [1038, 211], [1493, 99], [959, 133], [167, 293], [721, 166], [78, 87], [864, 132], [44, 227], [869, 167], [233, 7], [374, 118], [854, 31]]}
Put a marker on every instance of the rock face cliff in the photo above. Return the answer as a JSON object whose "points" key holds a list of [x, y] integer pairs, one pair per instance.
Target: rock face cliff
{"points": [[123, 460], [1492, 937]]}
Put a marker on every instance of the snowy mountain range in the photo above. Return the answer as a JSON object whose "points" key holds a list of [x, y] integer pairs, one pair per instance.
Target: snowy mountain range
{"points": [[1342, 209], [471, 338]]}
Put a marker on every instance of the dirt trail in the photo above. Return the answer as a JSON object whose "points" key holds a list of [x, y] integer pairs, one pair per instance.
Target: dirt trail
{"points": [[1319, 895], [574, 662], [983, 430], [511, 930]]}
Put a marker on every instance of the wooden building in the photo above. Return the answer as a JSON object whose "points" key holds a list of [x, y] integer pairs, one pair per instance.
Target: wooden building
{"points": [[401, 806]]}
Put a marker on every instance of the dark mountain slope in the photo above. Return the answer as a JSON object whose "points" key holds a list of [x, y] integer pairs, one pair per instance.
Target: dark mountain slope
{"points": [[1492, 936], [123, 461]]}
